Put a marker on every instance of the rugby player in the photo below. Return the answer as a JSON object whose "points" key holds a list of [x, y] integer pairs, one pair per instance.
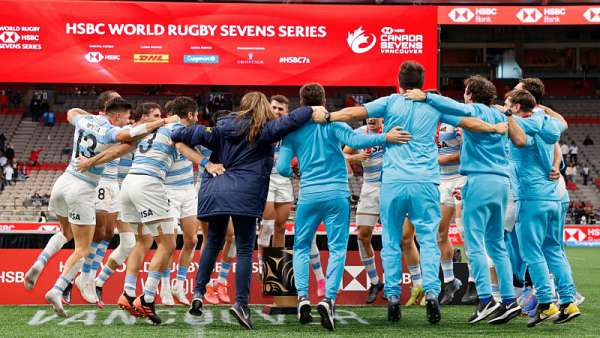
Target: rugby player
{"points": [[367, 212], [324, 196], [73, 194]]}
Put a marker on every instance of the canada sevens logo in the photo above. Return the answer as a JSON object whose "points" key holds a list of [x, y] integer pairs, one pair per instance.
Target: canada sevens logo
{"points": [[356, 41]]}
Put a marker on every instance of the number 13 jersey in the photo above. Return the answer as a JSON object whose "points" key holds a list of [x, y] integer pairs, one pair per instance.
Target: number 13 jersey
{"points": [[93, 134]]}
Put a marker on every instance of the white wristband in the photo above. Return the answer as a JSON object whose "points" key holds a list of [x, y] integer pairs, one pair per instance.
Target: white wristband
{"points": [[138, 130]]}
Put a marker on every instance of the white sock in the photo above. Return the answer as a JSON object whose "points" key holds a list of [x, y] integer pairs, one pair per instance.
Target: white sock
{"points": [[165, 278], [67, 277], [56, 242], [448, 270], [151, 286], [104, 275], [315, 261], [369, 264], [130, 285], [98, 258], [415, 275]]}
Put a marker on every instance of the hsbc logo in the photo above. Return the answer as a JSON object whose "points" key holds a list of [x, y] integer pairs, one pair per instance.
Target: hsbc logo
{"points": [[575, 235], [9, 37], [592, 14], [97, 57], [461, 15], [94, 57], [529, 15], [49, 228], [355, 278]]}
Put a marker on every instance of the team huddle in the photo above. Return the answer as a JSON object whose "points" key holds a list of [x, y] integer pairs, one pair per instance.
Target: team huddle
{"points": [[426, 159]]}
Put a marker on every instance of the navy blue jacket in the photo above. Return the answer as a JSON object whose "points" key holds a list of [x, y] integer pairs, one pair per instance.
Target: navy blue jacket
{"points": [[242, 189]]}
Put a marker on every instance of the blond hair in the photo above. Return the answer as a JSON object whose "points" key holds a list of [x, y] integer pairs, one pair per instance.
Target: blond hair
{"points": [[256, 108]]}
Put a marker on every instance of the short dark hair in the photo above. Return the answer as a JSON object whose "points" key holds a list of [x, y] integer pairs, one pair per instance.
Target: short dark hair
{"points": [[280, 98], [312, 94], [104, 97], [481, 89], [182, 105], [143, 109], [117, 104], [411, 75], [169, 107], [535, 86], [522, 97]]}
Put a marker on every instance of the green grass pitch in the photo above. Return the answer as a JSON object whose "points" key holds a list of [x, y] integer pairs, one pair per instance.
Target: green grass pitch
{"points": [[87, 321]]}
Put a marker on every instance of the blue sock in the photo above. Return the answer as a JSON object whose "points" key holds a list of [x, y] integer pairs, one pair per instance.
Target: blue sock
{"points": [[508, 301], [485, 300]]}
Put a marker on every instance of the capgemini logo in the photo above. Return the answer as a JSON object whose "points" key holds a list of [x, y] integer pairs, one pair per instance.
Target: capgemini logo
{"points": [[357, 40]]}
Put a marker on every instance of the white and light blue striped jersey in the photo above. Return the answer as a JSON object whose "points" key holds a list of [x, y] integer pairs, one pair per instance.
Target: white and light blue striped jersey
{"points": [[93, 134], [374, 163], [111, 170], [448, 143], [181, 174], [124, 163], [156, 153]]}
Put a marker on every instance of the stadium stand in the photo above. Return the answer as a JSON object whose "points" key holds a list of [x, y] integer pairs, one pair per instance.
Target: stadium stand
{"points": [[26, 135]]}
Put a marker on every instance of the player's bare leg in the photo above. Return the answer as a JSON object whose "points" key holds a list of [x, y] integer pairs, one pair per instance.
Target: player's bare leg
{"points": [[190, 227], [367, 256], [56, 242], [451, 284], [134, 263], [411, 256]]}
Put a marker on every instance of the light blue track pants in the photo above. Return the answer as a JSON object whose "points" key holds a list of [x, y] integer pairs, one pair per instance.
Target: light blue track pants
{"points": [[485, 198], [335, 213], [421, 201], [540, 238]]}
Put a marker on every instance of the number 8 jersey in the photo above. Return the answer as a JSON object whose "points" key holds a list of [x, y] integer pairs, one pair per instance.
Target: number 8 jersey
{"points": [[93, 134]]}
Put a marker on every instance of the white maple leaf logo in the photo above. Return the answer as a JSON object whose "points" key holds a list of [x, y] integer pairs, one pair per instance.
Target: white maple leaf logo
{"points": [[358, 38]]}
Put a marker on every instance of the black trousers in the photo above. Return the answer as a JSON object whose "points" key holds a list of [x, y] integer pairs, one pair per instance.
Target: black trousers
{"points": [[245, 235]]}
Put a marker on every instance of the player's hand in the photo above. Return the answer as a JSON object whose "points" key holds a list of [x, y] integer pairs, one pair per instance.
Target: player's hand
{"points": [[215, 169], [172, 119], [319, 114], [554, 174], [501, 128], [500, 108], [83, 164], [415, 95], [362, 156], [397, 135], [457, 194]]}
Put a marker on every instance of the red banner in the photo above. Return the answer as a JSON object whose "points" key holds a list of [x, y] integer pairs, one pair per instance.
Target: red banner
{"points": [[15, 262], [210, 43], [519, 15]]}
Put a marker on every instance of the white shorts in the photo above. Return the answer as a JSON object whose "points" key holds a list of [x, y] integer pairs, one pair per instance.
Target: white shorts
{"points": [[447, 187], [280, 189], [144, 199], [107, 196], [73, 198], [184, 201], [367, 211]]}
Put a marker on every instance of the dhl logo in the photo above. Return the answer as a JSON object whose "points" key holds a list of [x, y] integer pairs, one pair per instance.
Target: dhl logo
{"points": [[151, 58]]}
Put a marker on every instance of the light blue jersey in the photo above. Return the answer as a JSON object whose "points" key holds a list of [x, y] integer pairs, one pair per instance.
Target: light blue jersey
{"points": [[92, 135], [320, 157], [533, 162], [181, 174], [156, 153], [481, 153], [416, 159], [448, 142]]}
